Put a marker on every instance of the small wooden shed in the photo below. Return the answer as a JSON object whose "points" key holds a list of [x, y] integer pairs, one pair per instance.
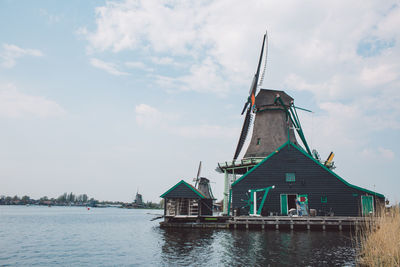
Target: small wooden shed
{"points": [[184, 199]]}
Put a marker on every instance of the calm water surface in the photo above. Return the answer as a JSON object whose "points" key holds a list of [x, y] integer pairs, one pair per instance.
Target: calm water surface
{"points": [[75, 236]]}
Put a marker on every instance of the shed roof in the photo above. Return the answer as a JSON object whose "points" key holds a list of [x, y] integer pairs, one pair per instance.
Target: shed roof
{"points": [[190, 192], [317, 162], [266, 97]]}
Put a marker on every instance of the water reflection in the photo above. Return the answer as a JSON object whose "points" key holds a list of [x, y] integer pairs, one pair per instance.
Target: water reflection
{"points": [[186, 246], [199, 247]]}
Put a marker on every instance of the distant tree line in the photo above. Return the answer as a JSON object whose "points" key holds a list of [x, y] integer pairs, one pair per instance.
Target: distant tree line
{"points": [[69, 200], [64, 199]]}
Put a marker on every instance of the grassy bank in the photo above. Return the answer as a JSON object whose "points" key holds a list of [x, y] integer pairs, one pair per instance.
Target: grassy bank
{"points": [[380, 240]]}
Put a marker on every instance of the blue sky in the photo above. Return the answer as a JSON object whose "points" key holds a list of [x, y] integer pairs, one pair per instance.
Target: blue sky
{"points": [[108, 97]]}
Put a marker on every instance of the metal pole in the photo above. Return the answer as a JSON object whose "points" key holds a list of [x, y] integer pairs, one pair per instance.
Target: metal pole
{"points": [[226, 192], [255, 203], [229, 203]]}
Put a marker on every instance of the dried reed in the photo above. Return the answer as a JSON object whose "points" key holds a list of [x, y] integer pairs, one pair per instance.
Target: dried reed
{"points": [[379, 239]]}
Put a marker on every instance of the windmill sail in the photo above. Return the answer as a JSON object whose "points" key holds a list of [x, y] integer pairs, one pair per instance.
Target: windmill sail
{"points": [[197, 179], [260, 82], [250, 101], [243, 134]]}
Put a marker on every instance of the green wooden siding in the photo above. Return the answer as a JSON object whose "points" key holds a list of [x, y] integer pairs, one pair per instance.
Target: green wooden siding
{"points": [[284, 206]]}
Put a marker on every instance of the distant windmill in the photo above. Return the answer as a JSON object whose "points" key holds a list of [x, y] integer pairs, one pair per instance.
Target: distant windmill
{"points": [[197, 179], [203, 184]]}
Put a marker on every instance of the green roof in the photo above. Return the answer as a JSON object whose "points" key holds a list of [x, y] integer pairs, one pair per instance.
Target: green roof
{"points": [[288, 143], [188, 185]]}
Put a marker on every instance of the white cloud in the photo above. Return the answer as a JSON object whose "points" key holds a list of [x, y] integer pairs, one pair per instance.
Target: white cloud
{"points": [[205, 131], [203, 77], [107, 66], [14, 104], [312, 40], [138, 65], [123, 25], [327, 90], [386, 153], [151, 118], [379, 75], [380, 152], [52, 19], [164, 61], [10, 53]]}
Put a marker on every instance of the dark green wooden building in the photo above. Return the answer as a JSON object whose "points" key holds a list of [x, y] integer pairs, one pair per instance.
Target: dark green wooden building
{"points": [[293, 173]]}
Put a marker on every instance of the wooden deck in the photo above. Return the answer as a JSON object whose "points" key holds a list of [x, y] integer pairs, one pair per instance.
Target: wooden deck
{"points": [[270, 222]]}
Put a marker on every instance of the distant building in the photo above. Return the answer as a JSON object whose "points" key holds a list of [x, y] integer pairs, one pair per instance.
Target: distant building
{"points": [[138, 202], [138, 199]]}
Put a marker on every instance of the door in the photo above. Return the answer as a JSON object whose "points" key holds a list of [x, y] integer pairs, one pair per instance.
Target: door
{"points": [[291, 201], [284, 205], [367, 205], [303, 204]]}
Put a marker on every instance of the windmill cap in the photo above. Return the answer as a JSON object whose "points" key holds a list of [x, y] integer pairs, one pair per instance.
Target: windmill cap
{"points": [[266, 97]]}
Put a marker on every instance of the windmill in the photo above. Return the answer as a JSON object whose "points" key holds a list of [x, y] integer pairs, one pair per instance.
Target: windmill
{"points": [[275, 116], [197, 179], [275, 122], [203, 184]]}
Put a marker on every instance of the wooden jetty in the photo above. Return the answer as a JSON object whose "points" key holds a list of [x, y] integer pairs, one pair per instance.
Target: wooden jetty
{"points": [[317, 223]]}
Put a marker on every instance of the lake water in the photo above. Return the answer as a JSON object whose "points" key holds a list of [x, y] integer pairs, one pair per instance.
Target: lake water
{"points": [[75, 236]]}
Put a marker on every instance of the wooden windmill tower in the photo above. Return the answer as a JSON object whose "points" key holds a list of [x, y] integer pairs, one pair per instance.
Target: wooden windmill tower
{"points": [[275, 122], [203, 184]]}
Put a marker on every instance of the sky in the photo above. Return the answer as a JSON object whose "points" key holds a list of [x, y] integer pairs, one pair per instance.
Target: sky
{"points": [[109, 98]]}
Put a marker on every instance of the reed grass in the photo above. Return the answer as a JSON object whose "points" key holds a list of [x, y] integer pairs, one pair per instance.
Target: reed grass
{"points": [[379, 239]]}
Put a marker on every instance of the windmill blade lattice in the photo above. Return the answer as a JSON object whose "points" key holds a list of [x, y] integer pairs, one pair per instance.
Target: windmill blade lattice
{"points": [[265, 61], [243, 134], [198, 175]]}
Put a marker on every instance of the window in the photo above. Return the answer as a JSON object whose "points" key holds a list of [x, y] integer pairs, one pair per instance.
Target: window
{"points": [[258, 141], [324, 199], [290, 177]]}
